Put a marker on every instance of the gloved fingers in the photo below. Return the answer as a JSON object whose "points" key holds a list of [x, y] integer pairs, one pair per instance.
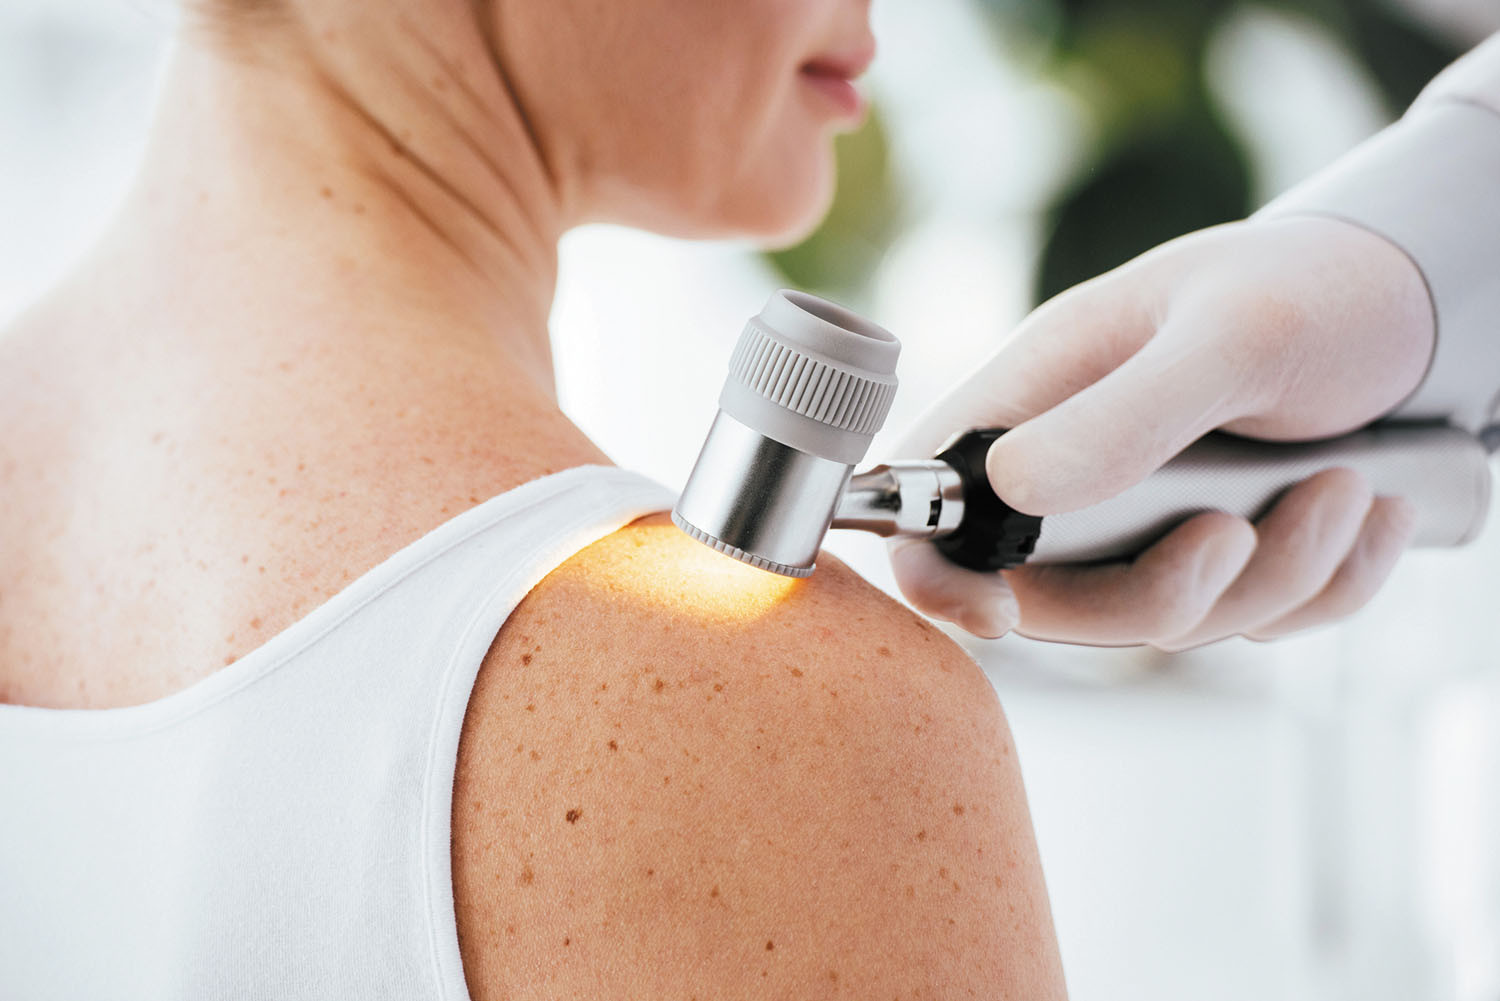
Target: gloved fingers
{"points": [[1065, 344], [1167, 588], [1302, 541], [1116, 432], [980, 603], [1388, 530]]}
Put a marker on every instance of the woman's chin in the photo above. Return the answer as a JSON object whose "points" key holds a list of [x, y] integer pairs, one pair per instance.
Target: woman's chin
{"points": [[775, 213], [782, 238], [788, 223], [775, 228]]}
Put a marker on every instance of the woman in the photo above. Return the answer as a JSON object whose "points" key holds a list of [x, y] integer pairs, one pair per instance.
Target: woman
{"points": [[336, 661]]}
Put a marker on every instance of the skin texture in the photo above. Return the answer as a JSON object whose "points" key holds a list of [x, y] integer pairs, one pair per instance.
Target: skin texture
{"points": [[328, 290], [819, 801], [317, 329]]}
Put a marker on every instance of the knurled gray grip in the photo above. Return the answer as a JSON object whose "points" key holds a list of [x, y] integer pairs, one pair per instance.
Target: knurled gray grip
{"points": [[813, 376], [1443, 470]]}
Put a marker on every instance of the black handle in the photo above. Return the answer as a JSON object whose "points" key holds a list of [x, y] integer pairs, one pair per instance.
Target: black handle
{"points": [[992, 535]]}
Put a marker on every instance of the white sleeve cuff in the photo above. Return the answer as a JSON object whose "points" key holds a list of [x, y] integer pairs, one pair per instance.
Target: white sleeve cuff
{"points": [[1430, 184]]}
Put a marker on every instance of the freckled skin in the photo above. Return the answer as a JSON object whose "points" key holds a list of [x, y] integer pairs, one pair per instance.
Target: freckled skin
{"points": [[765, 822], [351, 415]]}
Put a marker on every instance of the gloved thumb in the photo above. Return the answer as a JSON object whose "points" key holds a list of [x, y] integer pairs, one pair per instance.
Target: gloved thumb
{"points": [[1096, 398], [1096, 395], [1115, 431]]}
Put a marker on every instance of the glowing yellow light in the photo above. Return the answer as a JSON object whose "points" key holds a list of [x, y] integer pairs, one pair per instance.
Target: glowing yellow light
{"points": [[660, 563], [723, 584]]}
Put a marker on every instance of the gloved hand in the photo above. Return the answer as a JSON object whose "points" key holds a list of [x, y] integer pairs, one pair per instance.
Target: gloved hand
{"points": [[1286, 329]]}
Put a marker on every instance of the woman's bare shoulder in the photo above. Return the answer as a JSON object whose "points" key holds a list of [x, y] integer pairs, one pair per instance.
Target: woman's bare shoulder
{"points": [[680, 775], [650, 578]]}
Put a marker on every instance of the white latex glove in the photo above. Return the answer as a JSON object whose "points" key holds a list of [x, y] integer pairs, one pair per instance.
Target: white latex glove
{"points": [[1287, 329]]}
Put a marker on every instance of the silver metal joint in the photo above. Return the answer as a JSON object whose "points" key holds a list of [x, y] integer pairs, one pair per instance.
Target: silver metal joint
{"points": [[919, 497], [770, 505]]}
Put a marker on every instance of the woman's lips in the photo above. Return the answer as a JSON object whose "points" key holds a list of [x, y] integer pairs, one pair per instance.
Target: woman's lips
{"points": [[839, 90], [832, 74]]}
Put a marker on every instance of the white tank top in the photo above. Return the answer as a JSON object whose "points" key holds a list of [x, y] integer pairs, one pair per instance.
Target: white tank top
{"points": [[280, 829]]}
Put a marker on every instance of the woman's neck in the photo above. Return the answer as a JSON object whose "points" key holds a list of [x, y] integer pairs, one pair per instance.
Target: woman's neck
{"points": [[323, 188]]}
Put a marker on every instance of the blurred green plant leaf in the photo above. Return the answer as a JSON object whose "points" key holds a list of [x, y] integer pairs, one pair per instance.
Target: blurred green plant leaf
{"points": [[1162, 183], [1163, 161], [1401, 55], [1129, 72], [1022, 23]]}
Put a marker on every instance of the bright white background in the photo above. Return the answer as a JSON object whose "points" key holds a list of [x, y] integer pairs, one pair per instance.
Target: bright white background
{"points": [[1312, 819]]}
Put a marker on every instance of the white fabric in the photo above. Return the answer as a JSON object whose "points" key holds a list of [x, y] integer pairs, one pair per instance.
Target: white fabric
{"points": [[280, 829]]}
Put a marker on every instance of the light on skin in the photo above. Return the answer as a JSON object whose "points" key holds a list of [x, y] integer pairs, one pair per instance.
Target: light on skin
{"points": [[722, 587], [683, 575]]}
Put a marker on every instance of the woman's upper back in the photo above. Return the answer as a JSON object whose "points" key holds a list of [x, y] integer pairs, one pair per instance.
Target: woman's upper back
{"points": [[170, 509], [283, 824], [668, 778]]}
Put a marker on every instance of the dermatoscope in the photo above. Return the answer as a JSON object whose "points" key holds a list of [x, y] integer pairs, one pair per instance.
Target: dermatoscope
{"points": [[810, 383]]}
